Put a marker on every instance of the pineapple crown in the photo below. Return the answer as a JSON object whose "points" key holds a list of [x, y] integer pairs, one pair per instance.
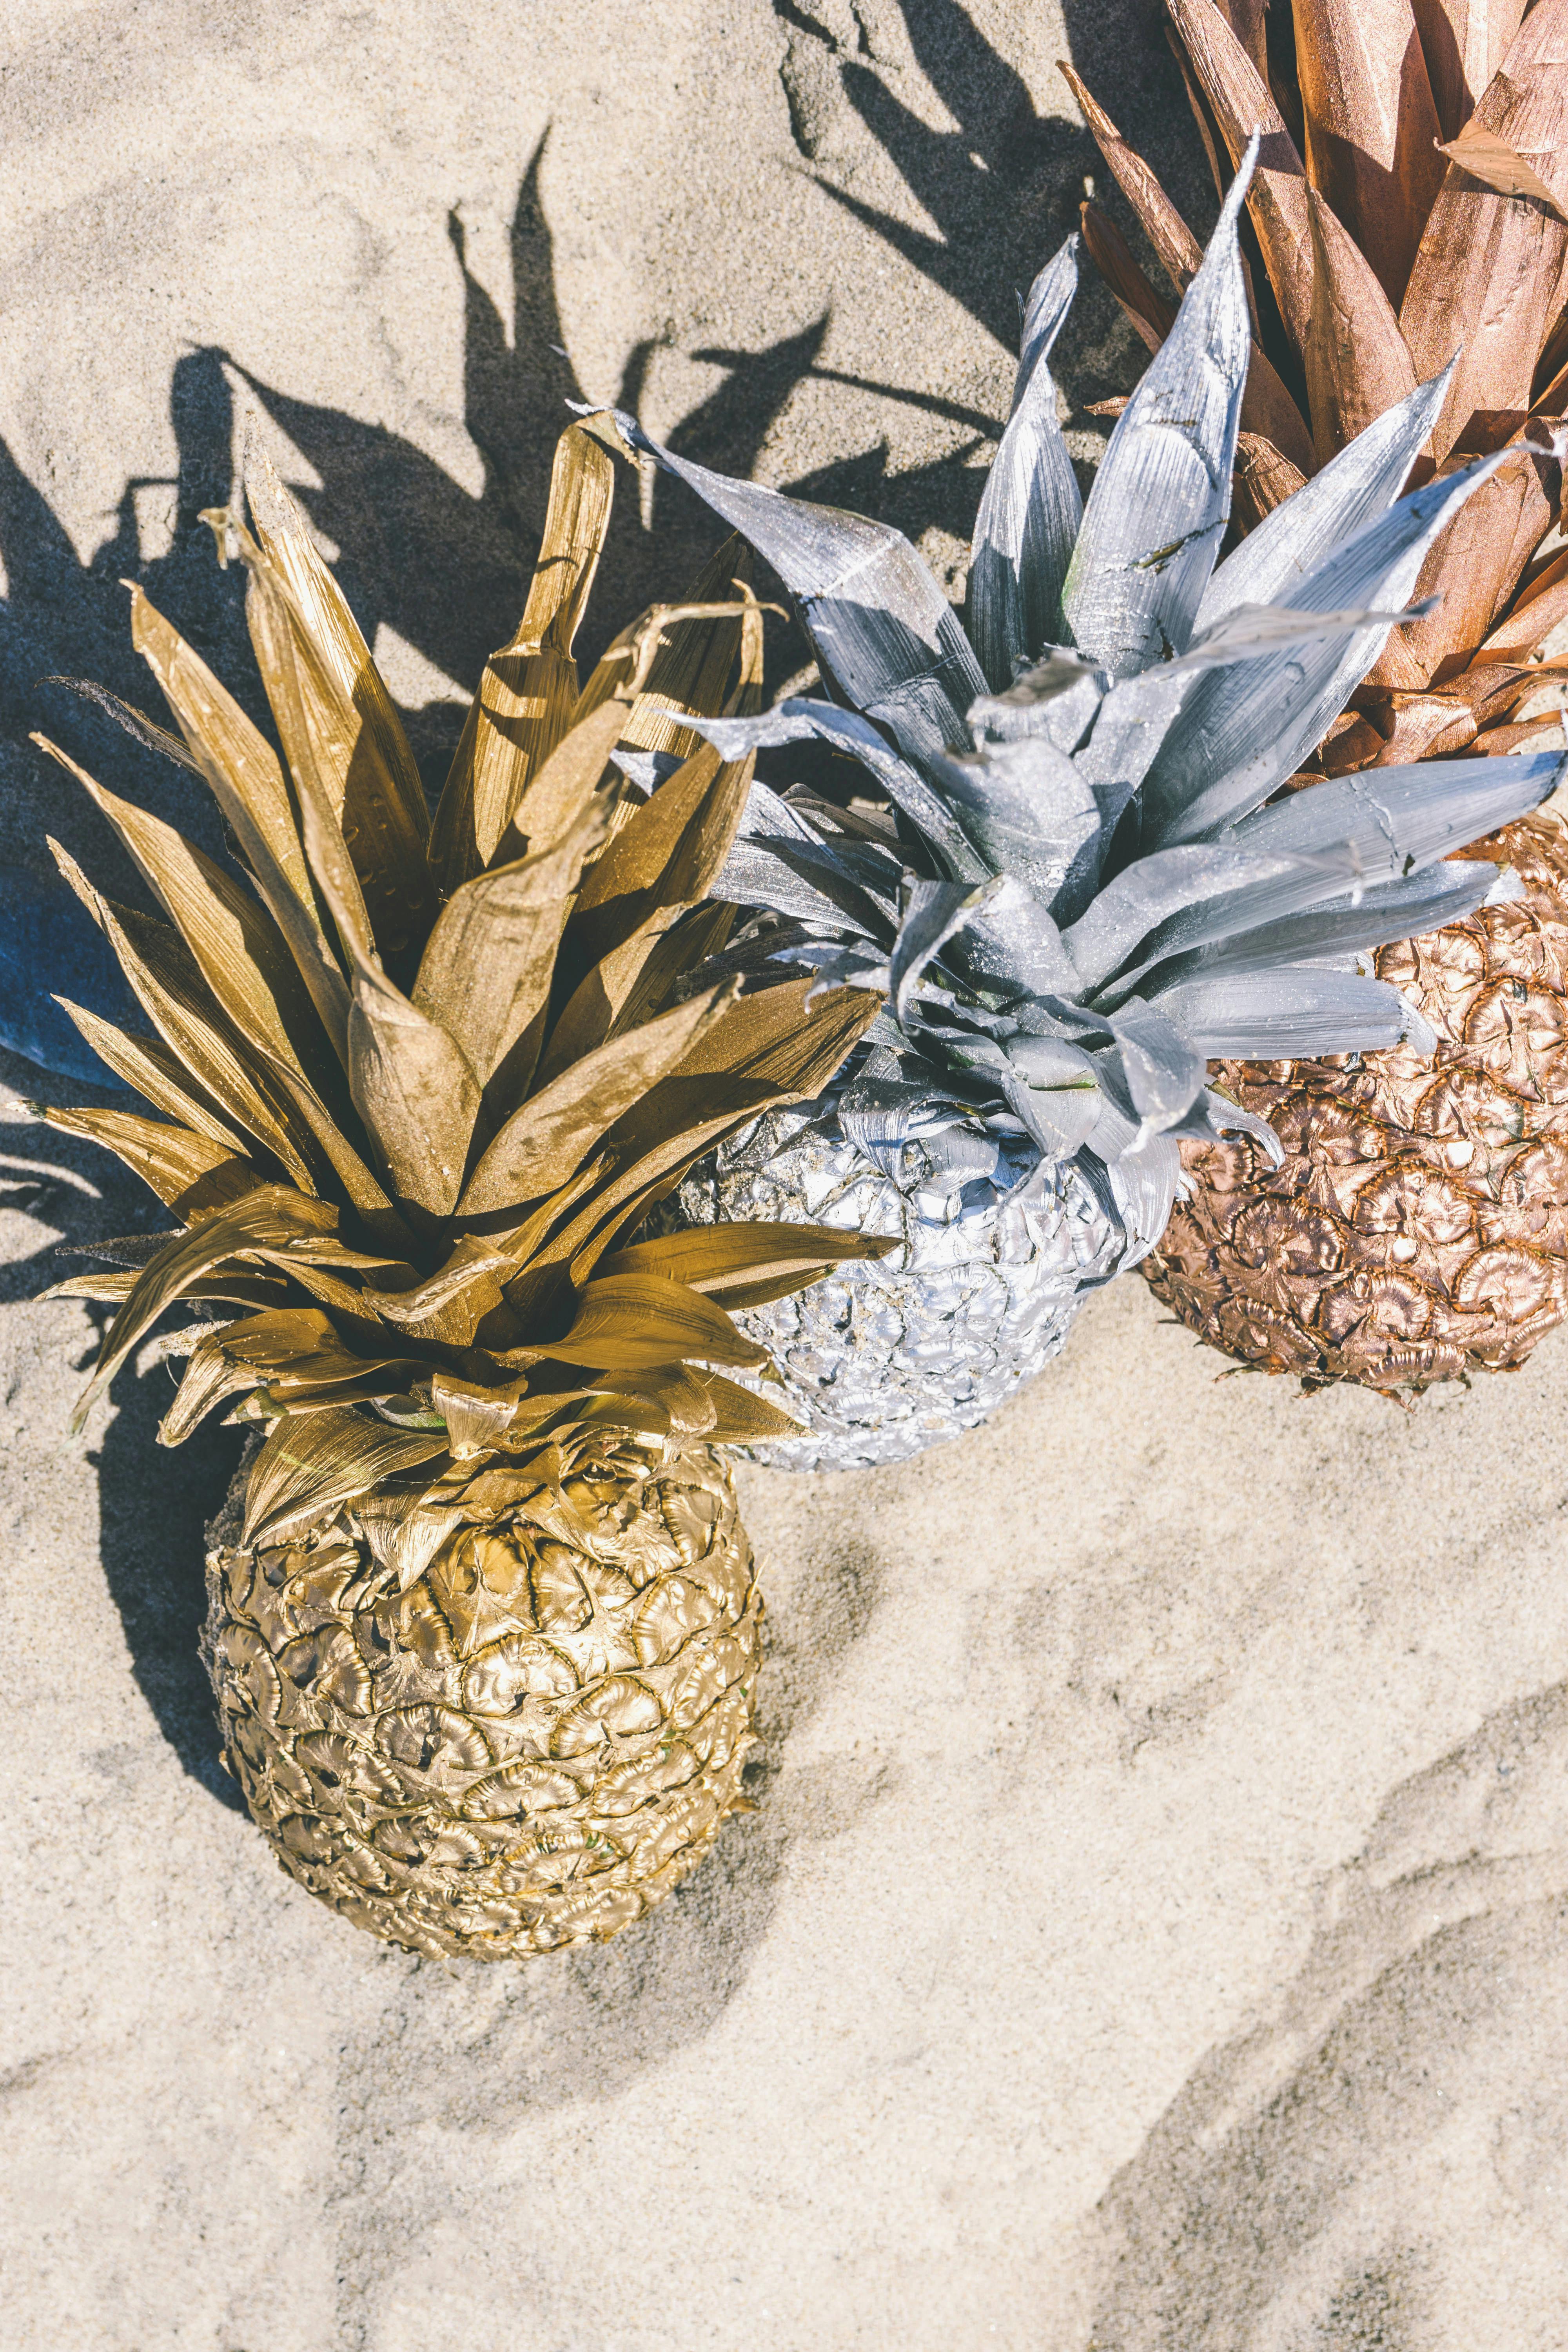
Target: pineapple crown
{"points": [[1412, 170], [1076, 895], [416, 1083]]}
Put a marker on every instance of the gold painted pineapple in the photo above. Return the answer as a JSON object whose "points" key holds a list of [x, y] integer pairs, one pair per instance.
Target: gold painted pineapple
{"points": [[483, 1623], [1409, 211]]}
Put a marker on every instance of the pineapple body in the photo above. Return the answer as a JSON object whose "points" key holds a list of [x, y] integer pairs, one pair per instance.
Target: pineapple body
{"points": [[884, 1356], [1419, 1227], [530, 1746]]}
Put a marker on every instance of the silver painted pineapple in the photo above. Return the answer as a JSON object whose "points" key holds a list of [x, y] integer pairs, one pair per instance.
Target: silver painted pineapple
{"points": [[1069, 886]]}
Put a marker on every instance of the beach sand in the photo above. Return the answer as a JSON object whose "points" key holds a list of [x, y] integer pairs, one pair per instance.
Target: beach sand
{"points": [[1151, 1938]]}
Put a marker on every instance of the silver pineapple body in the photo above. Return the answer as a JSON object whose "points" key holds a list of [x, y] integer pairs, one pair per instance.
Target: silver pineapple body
{"points": [[884, 1358]]}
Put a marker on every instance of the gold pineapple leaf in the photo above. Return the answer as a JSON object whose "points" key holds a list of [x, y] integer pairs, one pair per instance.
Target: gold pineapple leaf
{"points": [[487, 967], [242, 773], [529, 690], [635, 1322], [414, 1090], [669, 853], [263, 1225], [313, 1462], [166, 981], [547, 1137], [191, 1173], [628, 986], [234, 942]]}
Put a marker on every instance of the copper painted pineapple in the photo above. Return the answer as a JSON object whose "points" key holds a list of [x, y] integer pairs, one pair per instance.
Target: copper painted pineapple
{"points": [[483, 1623], [1418, 1225]]}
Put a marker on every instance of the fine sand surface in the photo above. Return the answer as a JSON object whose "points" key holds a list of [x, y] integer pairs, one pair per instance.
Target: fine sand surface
{"points": [[1152, 1936]]}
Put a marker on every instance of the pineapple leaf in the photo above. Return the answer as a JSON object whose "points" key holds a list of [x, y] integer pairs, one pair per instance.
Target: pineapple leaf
{"points": [[364, 1191], [1357, 366], [414, 1090], [487, 966], [1161, 500], [669, 853], [236, 946], [1145, 896], [210, 1375], [475, 1420], [719, 1258], [691, 669], [167, 984], [629, 986], [312, 1463], [692, 664], [547, 1139], [243, 775], [390, 797], [563, 791], [1244, 108], [1486, 279], [1244, 729], [1162, 1070], [530, 687], [741, 1418], [880, 625], [269, 1218], [1025, 806], [798, 719], [1353, 490], [146, 1064], [136, 723], [1270, 1016], [762, 873], [635, 1322], [352, 816], [1267, 410], [300, 1348], [683, 1400], [1393, 819], [935, 912], [1405, 909], [279, 659], [449, 1305], [1030, 510], [192, 1175]]}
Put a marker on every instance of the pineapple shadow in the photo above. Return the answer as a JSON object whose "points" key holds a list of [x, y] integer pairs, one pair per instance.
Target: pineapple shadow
{"points": [[1003, 184], [1331, 2175], [581, 2025], [152, 1506], [454, 2053]]}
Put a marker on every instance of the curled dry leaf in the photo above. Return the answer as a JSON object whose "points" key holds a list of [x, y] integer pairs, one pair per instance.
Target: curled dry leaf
{"points": [[1493, 161], [1486, 282], [530, 688]]}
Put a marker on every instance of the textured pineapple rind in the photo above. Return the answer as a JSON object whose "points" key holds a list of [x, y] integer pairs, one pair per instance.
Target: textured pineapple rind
{"points": [[530, 1746], [1417, 1230], [884, 1356]]}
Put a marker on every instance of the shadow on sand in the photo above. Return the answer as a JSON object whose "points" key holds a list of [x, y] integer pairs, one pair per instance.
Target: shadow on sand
{"points": [[445, 570]]}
